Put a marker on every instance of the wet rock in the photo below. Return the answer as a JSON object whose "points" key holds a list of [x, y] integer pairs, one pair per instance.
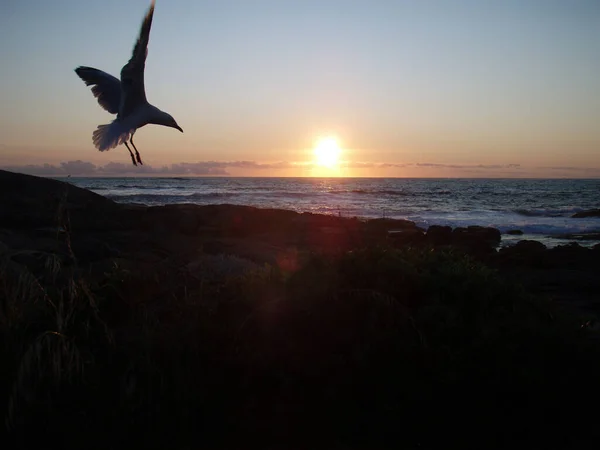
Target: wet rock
{"points": [[514, 232], [476, 235], [407, 237], [587, 213], [385, 225], [523, 253], [439, 235], [572, 255], [479, 242], [528, 246]]}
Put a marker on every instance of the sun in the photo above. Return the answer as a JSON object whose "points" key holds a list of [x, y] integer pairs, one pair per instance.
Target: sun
{"points": [[327, 152]]}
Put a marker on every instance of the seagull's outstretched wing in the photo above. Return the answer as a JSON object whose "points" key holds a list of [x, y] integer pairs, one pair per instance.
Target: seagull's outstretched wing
{"points": [[105, 87], [132, 74]]}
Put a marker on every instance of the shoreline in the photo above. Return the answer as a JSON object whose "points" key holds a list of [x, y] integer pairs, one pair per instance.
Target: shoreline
{"points": [[510, 235], [499, 205], [131, 215], [102, 229]]}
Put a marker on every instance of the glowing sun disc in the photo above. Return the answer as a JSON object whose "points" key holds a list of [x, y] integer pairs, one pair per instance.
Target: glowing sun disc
{"points": [[327, 152]]}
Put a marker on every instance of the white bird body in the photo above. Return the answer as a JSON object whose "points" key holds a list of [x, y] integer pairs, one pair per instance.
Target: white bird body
{"points": [[125, 97]]}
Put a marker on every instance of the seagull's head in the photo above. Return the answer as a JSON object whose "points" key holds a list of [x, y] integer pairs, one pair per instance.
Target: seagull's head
{"points": [[165, 119], [159, 117], [172, 123]]}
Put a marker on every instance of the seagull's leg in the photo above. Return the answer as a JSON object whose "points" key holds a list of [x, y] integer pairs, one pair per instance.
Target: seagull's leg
{"points": [[131, 153], [137, 154]]}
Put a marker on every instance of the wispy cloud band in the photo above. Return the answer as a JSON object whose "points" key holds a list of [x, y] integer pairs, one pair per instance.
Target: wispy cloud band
{"points": [[223, 168]]}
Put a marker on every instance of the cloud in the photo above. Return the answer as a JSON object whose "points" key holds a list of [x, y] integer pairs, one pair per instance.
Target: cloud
{"points": [[85, 168], [470, 166], [33, 169], [117, 168], [357, 165], [199, 168], [570, 171], [575, 169], [370, 165], [78, 167], [223, 168], [253, 164]]}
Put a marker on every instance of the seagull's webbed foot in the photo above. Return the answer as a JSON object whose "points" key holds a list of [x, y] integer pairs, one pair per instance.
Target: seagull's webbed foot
{"points": [[131, 153], [137, 154]]}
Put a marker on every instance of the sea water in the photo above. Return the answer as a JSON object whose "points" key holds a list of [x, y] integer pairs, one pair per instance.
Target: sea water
{"points": [[541, 209]]}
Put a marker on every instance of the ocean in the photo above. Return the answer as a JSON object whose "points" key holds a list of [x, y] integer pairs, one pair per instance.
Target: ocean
{"points": [[541, 209]]}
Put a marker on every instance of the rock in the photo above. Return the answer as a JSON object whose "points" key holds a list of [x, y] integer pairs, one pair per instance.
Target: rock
{"points": [[523, 253], [488, 234], [311, 220], [514, 232], [439, 235], [183, 218], [587, 213], [43, 202], [479, 242], [571, 255], [407, 237], [476, 234], [528, 246], [385, 225]]}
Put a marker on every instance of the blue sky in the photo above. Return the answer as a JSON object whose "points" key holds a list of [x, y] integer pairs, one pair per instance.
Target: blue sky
{"points": [[446, 83]]}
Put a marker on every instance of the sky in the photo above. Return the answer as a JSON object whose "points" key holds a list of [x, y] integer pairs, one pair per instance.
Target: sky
{"points": [[409, 88]]}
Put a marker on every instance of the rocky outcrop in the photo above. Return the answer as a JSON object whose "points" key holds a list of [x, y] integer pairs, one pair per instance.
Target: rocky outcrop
{"points": [[587, 213], [480, 242], [439, 235], [34, 202], [410, 237], [483, 235], [523, 253]]}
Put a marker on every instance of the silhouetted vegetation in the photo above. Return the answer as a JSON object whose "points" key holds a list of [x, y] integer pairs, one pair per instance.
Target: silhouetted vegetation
{"points": [[372, 348]]}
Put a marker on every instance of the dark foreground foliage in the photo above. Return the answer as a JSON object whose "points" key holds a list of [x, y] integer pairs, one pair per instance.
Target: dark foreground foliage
{"points": [[377, 348]]}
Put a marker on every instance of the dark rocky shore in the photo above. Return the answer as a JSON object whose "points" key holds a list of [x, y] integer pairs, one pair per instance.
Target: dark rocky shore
{"points": [[223, 326], [34, 209]]}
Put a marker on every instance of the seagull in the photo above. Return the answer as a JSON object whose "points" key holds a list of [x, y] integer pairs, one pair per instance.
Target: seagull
{"points": [[126, 98]]}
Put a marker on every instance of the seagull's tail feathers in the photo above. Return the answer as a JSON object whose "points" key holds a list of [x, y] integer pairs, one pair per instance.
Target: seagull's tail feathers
{"points": [[109, 136]]}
